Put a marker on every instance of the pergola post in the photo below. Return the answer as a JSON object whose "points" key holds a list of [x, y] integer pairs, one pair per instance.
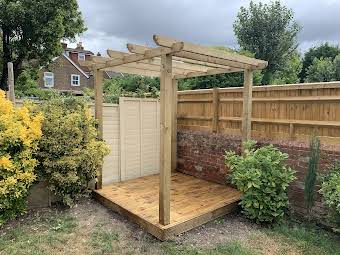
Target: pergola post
{"points": [[247, 105], [174, 126], [98, 89], [166, 109]]}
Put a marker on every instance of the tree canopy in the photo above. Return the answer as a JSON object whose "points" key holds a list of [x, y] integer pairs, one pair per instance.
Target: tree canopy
{"points": [[269, 31], [321, 70], [290, 72], [322, 51], [32, 30]]}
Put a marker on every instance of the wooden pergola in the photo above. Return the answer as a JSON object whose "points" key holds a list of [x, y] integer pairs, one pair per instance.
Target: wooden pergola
{"points": [[172, 60]]}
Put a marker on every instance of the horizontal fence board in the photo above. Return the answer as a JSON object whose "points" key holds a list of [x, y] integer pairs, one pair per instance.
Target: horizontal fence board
{"points": [[281, 111]]}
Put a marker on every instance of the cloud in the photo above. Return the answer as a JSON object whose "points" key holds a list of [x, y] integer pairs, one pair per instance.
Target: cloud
{"points": [[111, 24]]}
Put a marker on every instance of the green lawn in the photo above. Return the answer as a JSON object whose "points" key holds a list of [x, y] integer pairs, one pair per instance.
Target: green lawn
{"points": [[89, 228]]}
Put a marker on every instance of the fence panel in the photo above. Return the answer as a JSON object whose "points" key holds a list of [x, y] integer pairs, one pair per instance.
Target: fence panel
{"points": [[280, 112], [139, 137]]}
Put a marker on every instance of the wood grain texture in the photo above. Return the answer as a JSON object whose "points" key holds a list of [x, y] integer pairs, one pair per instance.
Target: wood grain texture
{"points": [[247, 105], [10, 82], [166, 109], [193, 202], [98, 89], [291, 112]]}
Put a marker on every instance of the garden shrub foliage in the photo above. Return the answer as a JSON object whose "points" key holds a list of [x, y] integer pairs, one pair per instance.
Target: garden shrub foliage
{"points": [[69, 151], [263, 178], [20, 130], [330, 189]]}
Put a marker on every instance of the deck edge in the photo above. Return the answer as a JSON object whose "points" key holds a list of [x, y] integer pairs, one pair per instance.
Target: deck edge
{"points": [[171, 231]]}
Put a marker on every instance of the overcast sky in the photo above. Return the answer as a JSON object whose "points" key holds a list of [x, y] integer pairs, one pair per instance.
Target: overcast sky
{"points": [[113, 23]]}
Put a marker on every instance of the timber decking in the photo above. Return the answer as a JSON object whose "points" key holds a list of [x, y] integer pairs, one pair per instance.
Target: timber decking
{"points": [[193, 202]]}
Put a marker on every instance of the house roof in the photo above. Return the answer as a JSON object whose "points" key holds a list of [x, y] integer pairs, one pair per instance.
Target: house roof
{"points": [[77, 50], [112, 74], [76, 66]]}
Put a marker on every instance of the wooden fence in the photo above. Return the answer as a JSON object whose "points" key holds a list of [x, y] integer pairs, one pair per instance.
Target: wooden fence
{"points": [[291, 112]]}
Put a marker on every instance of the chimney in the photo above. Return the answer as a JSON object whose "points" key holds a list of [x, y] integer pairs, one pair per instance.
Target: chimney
{"points": [[80, 46]]}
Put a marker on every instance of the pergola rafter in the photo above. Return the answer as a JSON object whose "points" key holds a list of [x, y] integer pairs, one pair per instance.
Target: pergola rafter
{"points": [[172, 60]]}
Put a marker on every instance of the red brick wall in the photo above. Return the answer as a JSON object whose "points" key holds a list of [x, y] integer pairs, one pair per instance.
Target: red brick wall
{"points": [[201, 154]]}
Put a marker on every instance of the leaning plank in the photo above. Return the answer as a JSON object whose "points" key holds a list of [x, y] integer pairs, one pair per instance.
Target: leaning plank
{"points": [[194, 48], [137, 57], [11, 94], [98, 89]]}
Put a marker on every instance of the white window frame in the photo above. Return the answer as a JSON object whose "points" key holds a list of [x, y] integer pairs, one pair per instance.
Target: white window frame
{"points": [[72, 80], [48, 75], [81, 56]]}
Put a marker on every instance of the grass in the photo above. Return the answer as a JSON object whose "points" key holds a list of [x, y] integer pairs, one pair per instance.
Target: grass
{"points": [[102, 239], [309, 238], [229, 248], [91, 229], [39, 236]]}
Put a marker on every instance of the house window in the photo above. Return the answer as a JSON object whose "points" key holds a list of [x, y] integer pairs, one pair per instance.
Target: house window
{"points": [[75, 80], [81, 56], [48, 79]]}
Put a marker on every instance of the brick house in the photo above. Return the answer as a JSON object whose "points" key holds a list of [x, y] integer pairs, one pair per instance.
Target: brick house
{"points": [[66, 74]]}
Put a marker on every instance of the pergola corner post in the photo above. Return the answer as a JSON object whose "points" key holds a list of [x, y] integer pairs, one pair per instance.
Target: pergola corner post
{"points": [[174, 126], [166, 109], [247, 105], [98, 89]]}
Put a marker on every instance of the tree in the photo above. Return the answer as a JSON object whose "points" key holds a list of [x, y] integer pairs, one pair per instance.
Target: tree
{"points": [[269, 31], [321, 70], [220, 80], [323, 51], [130, 85], [336, 63], [290, 72], [32, 30]]}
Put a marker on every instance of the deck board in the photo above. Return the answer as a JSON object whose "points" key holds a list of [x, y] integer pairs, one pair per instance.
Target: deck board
{"points": [[193, 202]]}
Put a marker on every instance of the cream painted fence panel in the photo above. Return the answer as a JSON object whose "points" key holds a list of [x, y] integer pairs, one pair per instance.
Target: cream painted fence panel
{"points": [[111, 135], [139, 137], [132, 131]]}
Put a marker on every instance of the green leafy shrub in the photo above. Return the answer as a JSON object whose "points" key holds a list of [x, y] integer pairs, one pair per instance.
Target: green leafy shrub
{"points": [[20, 130], [330, 189], [69, 151], [263, 178]]}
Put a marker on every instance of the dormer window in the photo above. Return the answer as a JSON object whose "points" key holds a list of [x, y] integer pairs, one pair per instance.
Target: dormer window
{"points": [[81, 56]]}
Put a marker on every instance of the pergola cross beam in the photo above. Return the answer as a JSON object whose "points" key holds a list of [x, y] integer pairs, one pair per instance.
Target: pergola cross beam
{"points": [[172, 60]]}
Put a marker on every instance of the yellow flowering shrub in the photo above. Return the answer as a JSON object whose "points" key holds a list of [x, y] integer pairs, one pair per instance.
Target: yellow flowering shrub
{"points": [[69, 151], [20, 130]]}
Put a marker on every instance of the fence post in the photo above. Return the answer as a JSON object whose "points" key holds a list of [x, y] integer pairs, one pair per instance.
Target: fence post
{"points": [[11, 94], [215, 110], [247, 105], [174, 126]]}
